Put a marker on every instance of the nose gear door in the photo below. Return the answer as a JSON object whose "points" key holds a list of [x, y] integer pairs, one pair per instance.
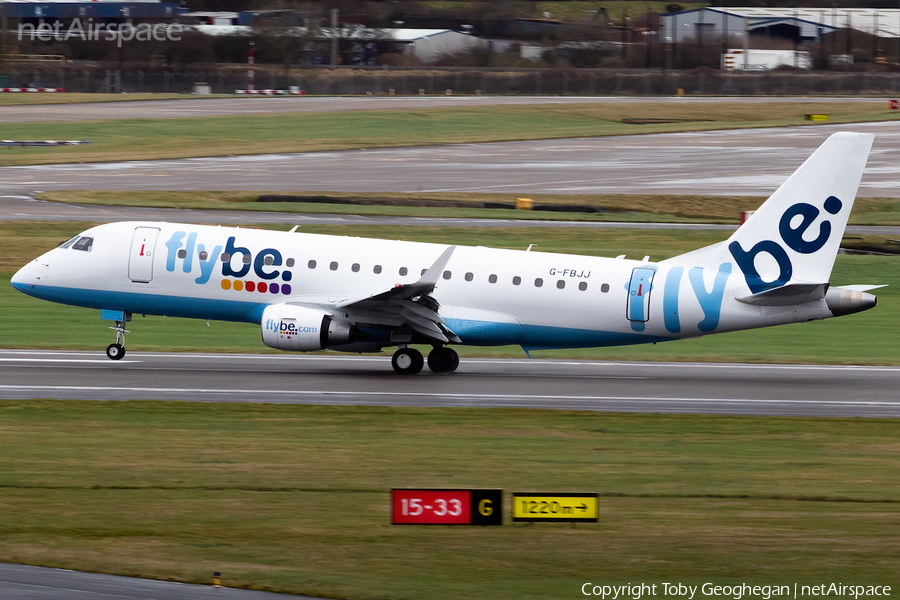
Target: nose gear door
{"points": [[140, 260]]}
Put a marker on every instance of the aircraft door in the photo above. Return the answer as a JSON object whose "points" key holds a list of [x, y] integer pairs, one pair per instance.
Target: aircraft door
{"points": [[638, 308], [143, 247]]}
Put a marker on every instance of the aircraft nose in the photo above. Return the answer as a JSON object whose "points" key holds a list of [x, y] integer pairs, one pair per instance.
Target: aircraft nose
{"points": [[26, 277]]}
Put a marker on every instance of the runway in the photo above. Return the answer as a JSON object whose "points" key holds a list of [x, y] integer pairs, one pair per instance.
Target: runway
{"points": [[708, 388], [750, 162]]}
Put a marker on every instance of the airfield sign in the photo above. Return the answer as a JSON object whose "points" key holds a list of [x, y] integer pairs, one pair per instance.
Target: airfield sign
{"points": [[566, 507], [446, 507]]}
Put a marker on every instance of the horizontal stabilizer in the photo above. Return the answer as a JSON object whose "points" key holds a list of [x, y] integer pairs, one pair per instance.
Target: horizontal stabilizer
{"points": [[787, 295]]}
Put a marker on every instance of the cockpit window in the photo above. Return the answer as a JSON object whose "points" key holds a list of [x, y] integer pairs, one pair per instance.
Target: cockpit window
{"points": [[84, 244], [69, 242]]}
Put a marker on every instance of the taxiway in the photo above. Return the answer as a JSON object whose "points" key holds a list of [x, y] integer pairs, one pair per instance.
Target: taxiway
{"points": [[749, 162]]}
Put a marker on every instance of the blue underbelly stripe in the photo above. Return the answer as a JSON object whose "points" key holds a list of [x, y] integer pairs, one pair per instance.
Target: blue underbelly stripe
{"points": [[150, 304]]}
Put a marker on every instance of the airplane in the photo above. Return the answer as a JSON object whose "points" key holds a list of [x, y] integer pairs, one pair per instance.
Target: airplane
{"points": [[310, 292]]}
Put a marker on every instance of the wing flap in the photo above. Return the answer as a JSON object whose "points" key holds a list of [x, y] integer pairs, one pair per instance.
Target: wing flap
{"points": [[395, 307]]}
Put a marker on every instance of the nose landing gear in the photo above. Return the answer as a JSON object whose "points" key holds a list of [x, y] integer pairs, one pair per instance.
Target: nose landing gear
{"points": [[117, 351]]}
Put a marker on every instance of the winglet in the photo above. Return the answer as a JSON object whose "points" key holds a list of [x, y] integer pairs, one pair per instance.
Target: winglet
{"points": [[433, 274], [425, 284]]}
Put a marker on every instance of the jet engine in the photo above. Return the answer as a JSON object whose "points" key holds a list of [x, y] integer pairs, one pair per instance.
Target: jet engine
{"points": [[299, 328]]}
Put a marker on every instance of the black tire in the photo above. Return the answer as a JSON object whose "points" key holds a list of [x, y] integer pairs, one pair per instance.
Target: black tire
{"points": [[115, 351], [441, 360], [455, 357], [407, 361]]}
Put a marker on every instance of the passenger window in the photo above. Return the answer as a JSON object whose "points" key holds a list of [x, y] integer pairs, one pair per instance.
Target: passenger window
{"points": [[289, 262], [246, 259], [377, 269], [582, 286], [269, 259], [204, 255], [469, 276], [538, 282], [68, 243], [447, 274], [333, 266], [84, 244], [404, 270], [182, 253], [561, 284], [226, 257], [311, 264], [604, 288], [517, 280], [355, 268], [492, 279]]}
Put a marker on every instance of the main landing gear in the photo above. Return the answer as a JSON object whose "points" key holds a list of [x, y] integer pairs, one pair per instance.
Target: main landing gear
{"points": [[409, 361], [117, 351]]}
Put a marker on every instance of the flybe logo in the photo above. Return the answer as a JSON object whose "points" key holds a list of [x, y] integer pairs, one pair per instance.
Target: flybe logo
{"points": [[265, 266], [287, 327], [794, 223]]}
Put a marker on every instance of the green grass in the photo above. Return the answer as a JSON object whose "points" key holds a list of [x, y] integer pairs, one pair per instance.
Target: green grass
{"points": [[295, 498], [866, 338], [143, 139], [618, 207]]}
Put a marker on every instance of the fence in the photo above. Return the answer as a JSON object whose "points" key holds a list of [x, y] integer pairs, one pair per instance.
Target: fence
{"points": [[412, 81]]}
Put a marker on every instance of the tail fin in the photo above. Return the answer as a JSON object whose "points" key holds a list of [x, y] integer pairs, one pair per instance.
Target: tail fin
{"points": [[795, 235]]}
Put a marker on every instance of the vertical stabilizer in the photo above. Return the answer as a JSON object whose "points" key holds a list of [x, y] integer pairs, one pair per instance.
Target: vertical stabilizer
{"points": [[795, 235]]}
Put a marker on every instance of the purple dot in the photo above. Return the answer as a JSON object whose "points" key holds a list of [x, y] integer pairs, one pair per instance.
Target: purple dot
{"points": [[285, 289], [273, 287]]}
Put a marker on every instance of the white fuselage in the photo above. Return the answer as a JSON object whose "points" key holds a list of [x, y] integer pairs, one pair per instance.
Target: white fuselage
{"points": [[487, 296]]}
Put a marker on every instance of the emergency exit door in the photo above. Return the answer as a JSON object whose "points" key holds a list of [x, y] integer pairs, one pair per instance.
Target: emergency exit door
{"points": [[638, 308], [143, 249]]}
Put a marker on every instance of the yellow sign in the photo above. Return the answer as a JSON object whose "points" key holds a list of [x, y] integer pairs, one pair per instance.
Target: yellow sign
{"points": [[555, 507], [816, 117]]}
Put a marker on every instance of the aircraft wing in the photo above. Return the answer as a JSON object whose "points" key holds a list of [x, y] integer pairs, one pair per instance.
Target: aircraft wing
{"points": [[402, 307]]}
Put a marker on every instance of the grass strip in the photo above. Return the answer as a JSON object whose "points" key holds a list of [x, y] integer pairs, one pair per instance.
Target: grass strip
{"points": [[294, 498], [865, 338], [286, 489], [664, 208], [145, 139]]}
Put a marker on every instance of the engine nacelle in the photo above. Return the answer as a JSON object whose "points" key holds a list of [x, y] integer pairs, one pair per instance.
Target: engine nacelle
{"points": [[298, 328]]}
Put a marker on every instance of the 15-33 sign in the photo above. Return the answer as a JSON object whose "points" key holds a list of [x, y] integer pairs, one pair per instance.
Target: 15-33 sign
{"points": [[446, 507]]}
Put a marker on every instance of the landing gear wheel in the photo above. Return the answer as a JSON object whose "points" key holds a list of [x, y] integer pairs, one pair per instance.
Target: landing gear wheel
{"points": [[455, 356], [443, 360], [115, 351], [407, 361]]}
